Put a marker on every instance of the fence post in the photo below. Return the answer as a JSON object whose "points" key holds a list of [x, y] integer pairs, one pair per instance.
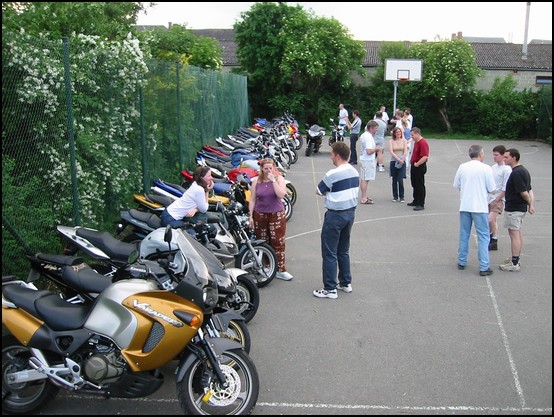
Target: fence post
{"points": [[71, 138], [179, 132]]}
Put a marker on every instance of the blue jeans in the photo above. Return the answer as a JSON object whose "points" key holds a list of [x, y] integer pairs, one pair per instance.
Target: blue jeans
{"points": [[482, 228], [397, 180], [335, 247]]}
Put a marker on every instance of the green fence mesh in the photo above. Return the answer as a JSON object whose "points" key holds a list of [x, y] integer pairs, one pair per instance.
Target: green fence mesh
{"points": [[75, 155]]}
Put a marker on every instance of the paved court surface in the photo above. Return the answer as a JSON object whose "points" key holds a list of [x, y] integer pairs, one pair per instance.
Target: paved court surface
{"points": [[416, 336]]}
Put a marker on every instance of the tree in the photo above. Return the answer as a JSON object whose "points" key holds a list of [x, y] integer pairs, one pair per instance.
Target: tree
{"points": [[449, 69], [179, 44], [294, 60], [109, 20]]}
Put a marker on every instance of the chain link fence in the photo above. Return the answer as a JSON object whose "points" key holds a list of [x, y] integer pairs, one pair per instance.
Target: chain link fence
{"points": [[87, 123]]}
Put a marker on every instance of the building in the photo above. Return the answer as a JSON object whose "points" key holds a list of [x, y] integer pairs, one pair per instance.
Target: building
{"points": [[530, 65]]}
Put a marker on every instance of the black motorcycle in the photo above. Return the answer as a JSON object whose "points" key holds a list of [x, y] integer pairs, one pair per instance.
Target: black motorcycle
{"points": [[314, 138], [337, 133]]}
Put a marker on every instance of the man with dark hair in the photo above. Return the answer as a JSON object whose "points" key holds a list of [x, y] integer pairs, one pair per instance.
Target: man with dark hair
{"points": [[418, 169], [519, 200], [501, 172], [340, 186]]}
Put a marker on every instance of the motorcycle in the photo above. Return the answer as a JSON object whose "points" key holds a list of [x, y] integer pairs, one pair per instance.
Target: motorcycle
{"points": [[118, 345], [314, 138], [241, 296], [337, 133]]}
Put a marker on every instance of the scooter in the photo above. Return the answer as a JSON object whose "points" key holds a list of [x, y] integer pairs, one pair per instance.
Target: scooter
{"points": [[118, 345]]}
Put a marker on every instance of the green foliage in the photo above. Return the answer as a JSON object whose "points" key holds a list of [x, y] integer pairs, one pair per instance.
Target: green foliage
{"points": [[506, 113], [178, 44], [29, 213], [294, 60], [110, 20]]}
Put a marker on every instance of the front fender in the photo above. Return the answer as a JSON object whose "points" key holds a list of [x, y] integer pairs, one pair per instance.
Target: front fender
{"points": [[218, 344], [255, 242]]}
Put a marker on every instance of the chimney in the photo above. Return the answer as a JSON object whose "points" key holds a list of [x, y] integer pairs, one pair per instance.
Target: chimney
{"points": [[524, 47], [453, 37], [459, 35]]}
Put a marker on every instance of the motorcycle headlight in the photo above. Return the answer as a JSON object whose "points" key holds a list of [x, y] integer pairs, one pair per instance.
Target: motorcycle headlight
{"points": [[210, 296]]}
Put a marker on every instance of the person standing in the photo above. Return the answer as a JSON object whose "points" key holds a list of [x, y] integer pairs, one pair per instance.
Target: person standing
{"points": [[418, 169], [354, 135], [398, 149], [519, 200], [501, 173], [379, 137], [192, 206], [267, 211], [343, 117], [474, 179], [368, 150], [340, 188]]}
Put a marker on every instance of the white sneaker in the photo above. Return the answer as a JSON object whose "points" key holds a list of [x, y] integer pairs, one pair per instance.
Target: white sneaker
{"points": [[382, 168], [323, 293], [346, 288], [510, 267], [285, 276]]}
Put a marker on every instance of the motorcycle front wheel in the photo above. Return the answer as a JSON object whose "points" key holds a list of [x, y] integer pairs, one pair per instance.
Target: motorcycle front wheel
{"points": [[291, 193], [309, 149], [247, 292], [299, 141], [238, 331], [288, 207], [266, 273], [238, 397], [21, 397]]}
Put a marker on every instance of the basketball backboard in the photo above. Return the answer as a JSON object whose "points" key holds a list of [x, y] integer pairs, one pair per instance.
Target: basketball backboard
{"points": [[403, 69]]}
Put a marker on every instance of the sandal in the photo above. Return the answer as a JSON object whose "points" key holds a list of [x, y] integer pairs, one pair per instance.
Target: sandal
{"points": [[367, 201]]}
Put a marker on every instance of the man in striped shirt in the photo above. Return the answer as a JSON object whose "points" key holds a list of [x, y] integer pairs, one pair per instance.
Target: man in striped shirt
{"points": [[340, 186]]}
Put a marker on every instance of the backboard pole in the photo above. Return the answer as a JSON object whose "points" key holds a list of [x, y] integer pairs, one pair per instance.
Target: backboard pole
{"points": [[395, 88]]}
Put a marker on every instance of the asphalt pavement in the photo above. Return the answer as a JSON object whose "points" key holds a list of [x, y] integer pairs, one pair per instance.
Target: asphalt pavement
{"points": [[416, 335]]}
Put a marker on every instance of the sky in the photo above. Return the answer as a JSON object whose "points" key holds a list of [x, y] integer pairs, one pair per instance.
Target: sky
{"points": [[390, 21]]}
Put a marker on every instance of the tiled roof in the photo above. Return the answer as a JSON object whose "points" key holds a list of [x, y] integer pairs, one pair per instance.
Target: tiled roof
{"points": [[487, 55]]}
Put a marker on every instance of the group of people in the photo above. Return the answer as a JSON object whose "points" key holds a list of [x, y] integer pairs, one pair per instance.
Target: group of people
{"points": [[266, 209], [485, 193], [402, 148]]}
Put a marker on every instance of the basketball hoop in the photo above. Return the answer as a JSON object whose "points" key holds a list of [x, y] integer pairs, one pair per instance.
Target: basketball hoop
{"points": [[403, 80]]}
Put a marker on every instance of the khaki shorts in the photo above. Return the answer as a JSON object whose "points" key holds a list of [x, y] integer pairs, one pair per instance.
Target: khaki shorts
{"points": [[496, 207], [513, 219], [368, 169]]}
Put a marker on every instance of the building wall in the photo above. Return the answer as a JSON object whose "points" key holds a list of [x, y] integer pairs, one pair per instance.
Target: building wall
{"points": [[525, 79]]}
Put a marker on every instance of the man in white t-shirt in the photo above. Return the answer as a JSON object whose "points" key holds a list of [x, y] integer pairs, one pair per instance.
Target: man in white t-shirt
{"points": [[343, 116], [368, 151]]}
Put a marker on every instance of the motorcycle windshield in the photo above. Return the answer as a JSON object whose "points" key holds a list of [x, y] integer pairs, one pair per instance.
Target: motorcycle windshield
{"points": [[200, 258]]}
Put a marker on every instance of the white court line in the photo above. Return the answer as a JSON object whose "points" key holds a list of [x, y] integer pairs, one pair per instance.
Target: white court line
{"points": [[506, 345]]}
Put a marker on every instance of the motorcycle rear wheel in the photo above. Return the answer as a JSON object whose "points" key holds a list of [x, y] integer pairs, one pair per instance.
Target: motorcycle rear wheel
{"points": [[24, 397], [240, 395]]}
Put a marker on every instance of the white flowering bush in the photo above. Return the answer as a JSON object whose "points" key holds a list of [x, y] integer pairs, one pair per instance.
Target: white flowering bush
{"points": [[105, 80]]}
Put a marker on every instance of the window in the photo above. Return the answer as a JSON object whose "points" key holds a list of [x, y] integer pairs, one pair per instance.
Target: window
{"points": [[543, 80]]}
